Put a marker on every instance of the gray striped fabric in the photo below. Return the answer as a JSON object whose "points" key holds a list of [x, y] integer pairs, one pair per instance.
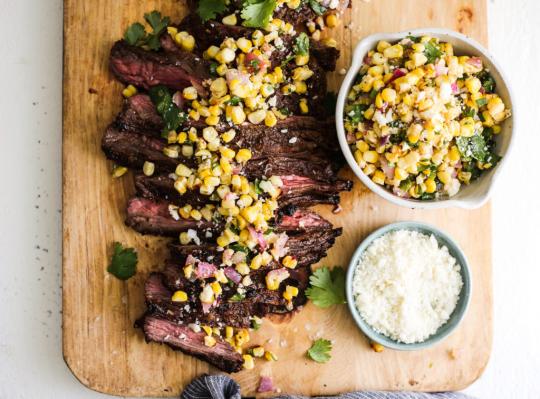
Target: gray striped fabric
{"points": [[223, 387]]}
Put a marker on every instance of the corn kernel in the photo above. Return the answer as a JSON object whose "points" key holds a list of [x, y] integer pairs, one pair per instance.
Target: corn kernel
{"points": [[248, 362], [129, 91], [243, 155], [184, 238], [257, 117], [270, 356], [225, 55], [209, 341], [229, 20], [237, 115], [290, 292], [188, 43], [395, 51], [371, 156], [270, 119], [171, 152], [179, 296], [378, 177], [467, 127], [304, 108], [377, 347], [444, 177], [258, 351], [473, 84], [332, 21], [382, 45], [289, 261], [149, 168], [389, 95], [301, 59], [190, 93]]}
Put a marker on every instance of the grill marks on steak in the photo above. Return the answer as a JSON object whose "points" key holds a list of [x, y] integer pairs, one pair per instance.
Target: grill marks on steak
{"points": [[154, 217], [180, 337], [133, 65]]}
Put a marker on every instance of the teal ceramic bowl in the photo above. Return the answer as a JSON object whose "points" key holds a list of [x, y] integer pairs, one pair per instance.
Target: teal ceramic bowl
{"points": [[456, 316]]}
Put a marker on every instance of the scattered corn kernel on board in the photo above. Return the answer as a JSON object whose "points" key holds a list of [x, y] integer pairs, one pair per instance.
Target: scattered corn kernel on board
{"points": [[101, 346]]}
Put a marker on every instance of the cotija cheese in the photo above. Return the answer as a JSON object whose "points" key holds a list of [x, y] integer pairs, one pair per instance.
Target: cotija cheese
{"points": [[406, 286]]}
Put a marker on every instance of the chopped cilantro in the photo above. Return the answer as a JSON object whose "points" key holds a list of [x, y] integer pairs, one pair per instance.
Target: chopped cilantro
{"points": [[235, 100], [327, 287], [213, 68], [488, 83], [239, 248], [320, 351], [209, 9], [356, 113], [257, 13], [473, 147], [169, 111], [135, 34], [237, 297], [373, 94], [469, 112], [317, 7], [414, 39], [301, 46], [432, 52], [256, 323], [123, 263], [481, 102], [406, 184]]}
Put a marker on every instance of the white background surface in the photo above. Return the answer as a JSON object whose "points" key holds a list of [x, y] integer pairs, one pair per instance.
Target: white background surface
{"points": [[31, 364]]}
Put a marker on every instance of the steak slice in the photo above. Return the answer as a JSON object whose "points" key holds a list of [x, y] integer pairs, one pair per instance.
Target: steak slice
{"points": [[155, 217], [225, 311], [141, 68], [139, 115], [214, 32], [296, 190], [132, 150], [180, 337], [307, 248]]}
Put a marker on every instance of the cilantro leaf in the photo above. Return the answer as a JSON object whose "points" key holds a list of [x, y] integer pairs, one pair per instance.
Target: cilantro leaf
{"points": [[158, 25], [320, 351], [473, 147], [432, 52], [209, 9], [317, 7], [123, 263], [237, 297], [356, 113], [488, 83], [135, 34], [169, 111], [301, 46], [481, 102], [257, 13], [327, 287]]}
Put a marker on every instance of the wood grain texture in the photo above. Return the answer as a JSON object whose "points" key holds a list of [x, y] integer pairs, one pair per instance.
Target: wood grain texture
{"points": [[101, 346]]}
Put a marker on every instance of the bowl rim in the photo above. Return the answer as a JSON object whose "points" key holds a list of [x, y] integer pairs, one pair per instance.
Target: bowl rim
{"points": [[458, 314], [356, 61]]}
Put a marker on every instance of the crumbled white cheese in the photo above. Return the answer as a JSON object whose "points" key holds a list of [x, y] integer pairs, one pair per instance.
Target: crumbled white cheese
{"points": [[293, 140], [173, 211], [192, 234], [405, 286]]}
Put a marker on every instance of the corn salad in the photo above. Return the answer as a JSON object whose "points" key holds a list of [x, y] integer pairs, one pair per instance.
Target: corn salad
{"points": [[422, 121]]}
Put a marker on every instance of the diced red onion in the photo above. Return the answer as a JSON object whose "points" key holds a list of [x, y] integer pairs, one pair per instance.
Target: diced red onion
{"points": [[191, 260], [258, 236], [475, 61], [206, 307], [233, 275], [265, 385], [398, 73], [280, 245], [205, 270]]}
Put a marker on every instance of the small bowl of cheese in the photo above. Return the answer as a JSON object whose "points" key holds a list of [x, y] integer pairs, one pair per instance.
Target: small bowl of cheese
{"points": [[408, 286], [425, 118]]}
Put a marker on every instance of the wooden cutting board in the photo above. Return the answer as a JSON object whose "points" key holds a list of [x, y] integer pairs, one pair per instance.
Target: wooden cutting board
{"points": [[101, 346]]}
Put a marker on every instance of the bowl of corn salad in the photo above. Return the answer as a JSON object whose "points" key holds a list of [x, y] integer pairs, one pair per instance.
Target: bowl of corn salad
{"points": [[425, 118]]}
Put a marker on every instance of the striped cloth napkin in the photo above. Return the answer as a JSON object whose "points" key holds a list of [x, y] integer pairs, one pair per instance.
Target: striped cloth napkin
{"points": [[223, 387]]}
